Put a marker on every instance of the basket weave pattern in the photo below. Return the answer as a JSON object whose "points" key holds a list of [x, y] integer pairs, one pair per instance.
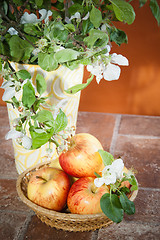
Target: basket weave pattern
{"points": [[60, 220]]}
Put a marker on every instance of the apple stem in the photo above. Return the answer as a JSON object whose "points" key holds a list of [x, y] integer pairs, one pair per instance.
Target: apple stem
{"points": [[39, 177]]}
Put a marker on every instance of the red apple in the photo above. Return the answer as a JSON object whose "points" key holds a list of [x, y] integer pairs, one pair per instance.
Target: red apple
{"points": [[82, 158], [84, 197], [49, 187]]}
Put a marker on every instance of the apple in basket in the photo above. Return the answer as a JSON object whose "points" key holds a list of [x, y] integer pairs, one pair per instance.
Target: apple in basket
{"points": [[49, 187], [84, 197], [82, 158]]}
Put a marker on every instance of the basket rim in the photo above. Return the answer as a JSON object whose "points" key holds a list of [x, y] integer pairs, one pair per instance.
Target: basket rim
{"points": [[50, 212]]}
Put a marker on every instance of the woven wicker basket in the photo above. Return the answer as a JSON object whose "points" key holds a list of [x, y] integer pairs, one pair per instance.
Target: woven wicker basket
{"points": [[61, 220]]}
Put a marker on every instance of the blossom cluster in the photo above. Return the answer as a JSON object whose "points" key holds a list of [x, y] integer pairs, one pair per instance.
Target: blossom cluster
{"points": [[111, 173]]}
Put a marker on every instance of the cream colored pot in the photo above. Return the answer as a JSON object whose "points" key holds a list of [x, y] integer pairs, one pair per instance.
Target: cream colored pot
{"points": [[57, 81]]}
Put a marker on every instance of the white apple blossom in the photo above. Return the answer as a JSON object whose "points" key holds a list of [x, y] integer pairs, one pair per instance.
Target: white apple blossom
{"points": [[76, 16], [104, 67], [110, 173], [25, 140], [32, 18], [12, 31], [13, 88], [13, 134]]}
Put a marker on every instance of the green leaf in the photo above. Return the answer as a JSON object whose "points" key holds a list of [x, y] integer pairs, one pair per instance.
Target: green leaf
{"points": [[76, 7], [15, 102], [118, 36], [47, 61], [5, 7], [123, 10], [23, 74], [127, 205], [39, 139], [95, 17], [142, 2], [133, 182], [32, 30], [20, 49], [44, 116], [28, 96], [155, 10], [79, 87], [97, 175], [86, 26], [0, 64], [97, 38], [60, 122], [111, 207], [39, 2], [40, 84], [66, 55], [106, 157], [70, 27]]}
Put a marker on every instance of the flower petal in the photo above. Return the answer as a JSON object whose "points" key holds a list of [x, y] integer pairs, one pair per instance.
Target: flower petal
{"points": [[45, 14], [13, 134], [6, 84], [26, 142], [119, 59], [110, 179], [8, 94], [86, 17], [29, 18], [117, 166], [111, 72], [99, 182], [12, 31]]}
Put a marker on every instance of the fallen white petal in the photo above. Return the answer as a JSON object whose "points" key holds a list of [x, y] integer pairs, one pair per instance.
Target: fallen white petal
{"points": [[111, 72], [13, 134], [119, 59]]}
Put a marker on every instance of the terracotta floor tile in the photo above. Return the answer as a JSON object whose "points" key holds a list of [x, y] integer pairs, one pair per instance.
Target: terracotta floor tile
{"points": [[99, 125], [38, 230], [3, 132], [7, 161], [140, 125], [130, 231], [147, 207], [10, 224], [4, 117], [143, 155], [9, 199]]}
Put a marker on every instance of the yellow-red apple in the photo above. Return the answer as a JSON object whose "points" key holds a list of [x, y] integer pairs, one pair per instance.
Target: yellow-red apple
{"points": [[82, 158], [84, 197], [49, 187]]}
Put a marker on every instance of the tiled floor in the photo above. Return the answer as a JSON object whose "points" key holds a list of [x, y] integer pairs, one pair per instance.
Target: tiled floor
{"points": [[135, 138]]}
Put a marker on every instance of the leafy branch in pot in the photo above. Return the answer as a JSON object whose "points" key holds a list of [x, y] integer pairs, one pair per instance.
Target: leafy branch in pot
{"points": [[30, 102]]}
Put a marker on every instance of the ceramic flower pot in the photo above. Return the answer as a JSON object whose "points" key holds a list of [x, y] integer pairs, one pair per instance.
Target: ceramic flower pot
{"points": [[57, 81]]}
